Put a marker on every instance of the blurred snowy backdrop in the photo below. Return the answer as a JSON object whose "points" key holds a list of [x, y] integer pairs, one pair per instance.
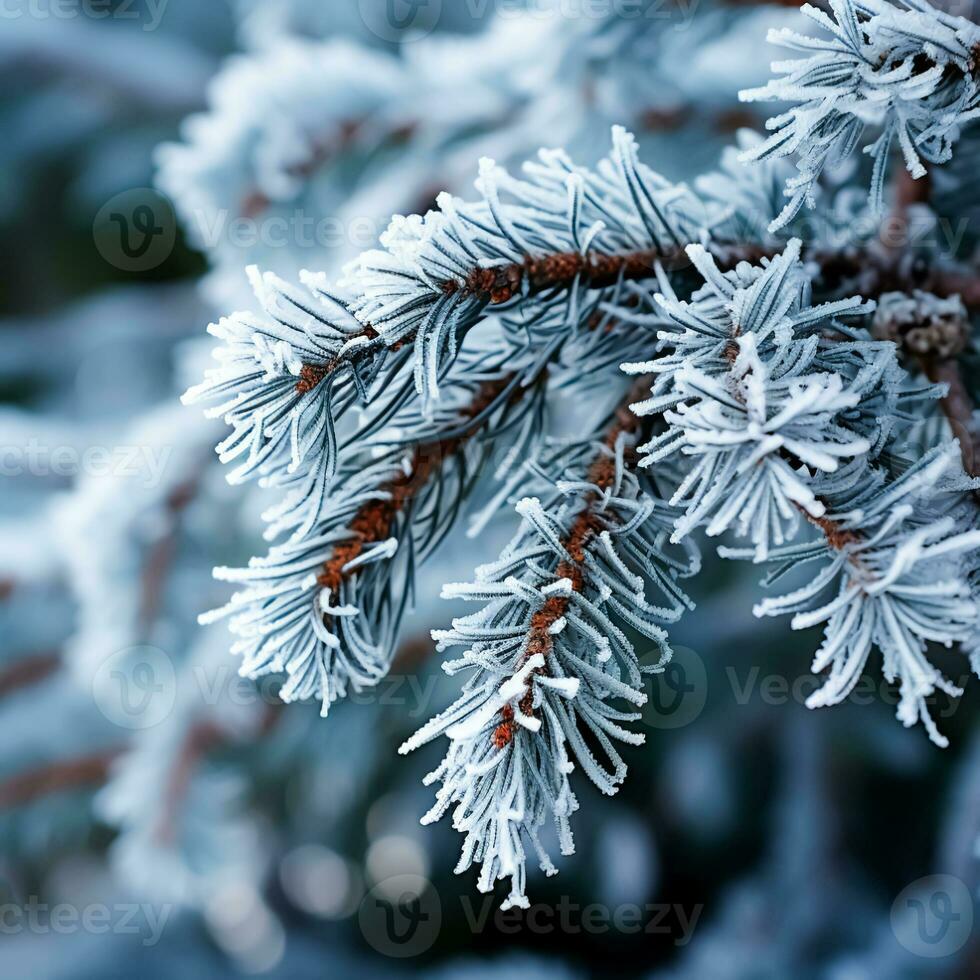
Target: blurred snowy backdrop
{"points": [[160, 816]]}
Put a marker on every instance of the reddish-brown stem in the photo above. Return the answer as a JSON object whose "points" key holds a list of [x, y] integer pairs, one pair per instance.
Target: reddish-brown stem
{"points": [[161, 555], [255, 202], [500, 284], [877, 271], [586, 525], [202, 739], [869, 271], [61, 776], [837, 537], [957, 406], [374, 521], [872, 272], [311, 375], [27, 671], [411, 653]]}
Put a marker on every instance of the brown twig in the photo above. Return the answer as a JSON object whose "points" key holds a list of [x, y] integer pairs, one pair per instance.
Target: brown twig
{"points": [[500, 284], [202, 738], [375, 519], [27, 671], [412, 652], [56, 777], [161, 554], [584, 528], [957, 404], [255, 202], [870, 271]]}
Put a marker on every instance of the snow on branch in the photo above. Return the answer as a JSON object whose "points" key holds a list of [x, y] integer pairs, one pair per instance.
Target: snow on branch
{"points": [[561, 231], [553, 668], [766, 409], [325, 606], [907, 69], [896, 574], [752, 396]]}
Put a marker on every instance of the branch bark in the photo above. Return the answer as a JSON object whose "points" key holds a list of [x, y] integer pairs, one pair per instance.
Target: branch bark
{"points": [[55, 777], [583, 529]]}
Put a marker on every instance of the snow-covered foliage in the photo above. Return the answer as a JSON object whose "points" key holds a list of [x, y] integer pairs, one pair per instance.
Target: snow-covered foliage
{"points": [[897, 570], [326, 605], [550, 659], [766, 409], [558, 401], [907, 69]]}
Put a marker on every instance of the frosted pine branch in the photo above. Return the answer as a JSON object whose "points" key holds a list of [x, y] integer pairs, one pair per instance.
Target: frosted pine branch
{"points": [[552, 237], [325, 607], [550, 660], [285, 377], [896, 576], [754, 400], [907, 69], [767, 410]]}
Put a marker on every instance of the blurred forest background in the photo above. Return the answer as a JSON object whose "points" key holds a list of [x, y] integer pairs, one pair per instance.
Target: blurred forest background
{"points": [[222, 835]]}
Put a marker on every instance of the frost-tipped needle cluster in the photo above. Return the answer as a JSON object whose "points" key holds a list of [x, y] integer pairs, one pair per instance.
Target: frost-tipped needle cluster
{"points": [[325, 606], [907, 69], [895, 574], [750, 394], [554, 675]]}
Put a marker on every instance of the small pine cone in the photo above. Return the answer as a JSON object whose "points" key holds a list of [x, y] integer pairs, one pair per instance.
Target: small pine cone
{"points": [[923, 324]]}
